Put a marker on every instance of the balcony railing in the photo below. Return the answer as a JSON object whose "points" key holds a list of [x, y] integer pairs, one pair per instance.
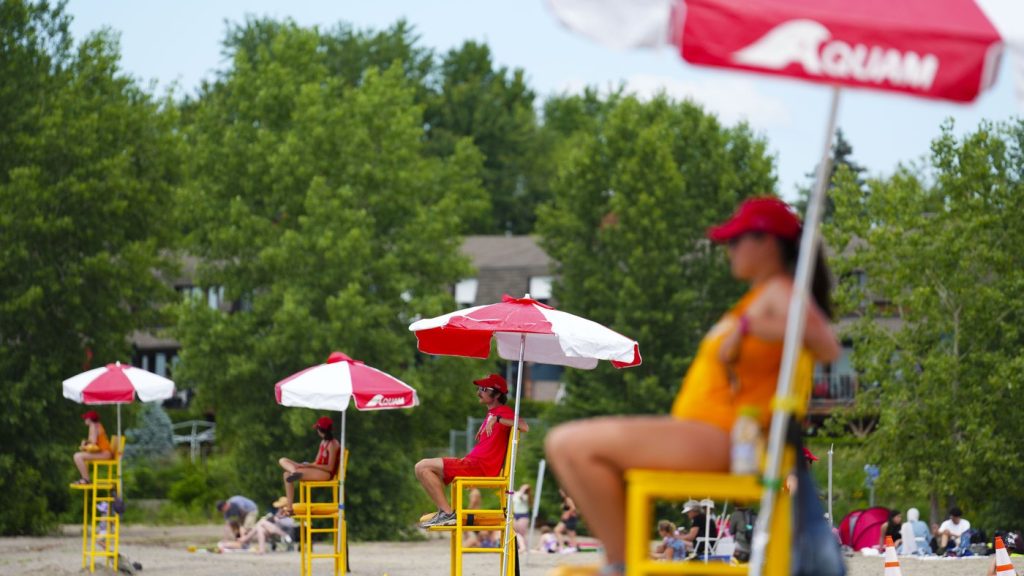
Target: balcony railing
{"points": [[833, 389]]}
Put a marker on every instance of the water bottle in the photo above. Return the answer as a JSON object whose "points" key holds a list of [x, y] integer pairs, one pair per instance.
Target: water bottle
{"points": [[747, 442]]}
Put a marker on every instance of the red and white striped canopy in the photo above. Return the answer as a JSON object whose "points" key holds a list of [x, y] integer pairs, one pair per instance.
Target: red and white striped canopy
{"points": [[552, 337], [946, 49], [117, 384], [331, 386]]}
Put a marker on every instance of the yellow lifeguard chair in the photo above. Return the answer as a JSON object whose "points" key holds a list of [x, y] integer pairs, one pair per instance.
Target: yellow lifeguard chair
{"points": [[101, 525], [644, 487], [482, 520], [327, 517]]}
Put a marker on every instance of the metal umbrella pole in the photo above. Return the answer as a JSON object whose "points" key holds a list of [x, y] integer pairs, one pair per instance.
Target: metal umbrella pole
{"points": [[536, 506], [341, 491], [512, 460], [795, 321], [831, 519]]}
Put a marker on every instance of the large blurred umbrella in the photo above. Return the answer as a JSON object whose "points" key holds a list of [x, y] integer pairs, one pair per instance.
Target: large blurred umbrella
{"points": [[528, 331], [333, 386], [117, 384], [944, 49]]}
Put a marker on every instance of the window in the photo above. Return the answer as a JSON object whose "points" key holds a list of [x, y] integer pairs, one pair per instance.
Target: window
{"points": [[540, 288], [546, 372], [465, 292]]}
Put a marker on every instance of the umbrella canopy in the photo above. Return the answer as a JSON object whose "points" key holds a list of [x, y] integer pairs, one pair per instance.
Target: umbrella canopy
{"points": [[551, 336], [946, 49], [333, 385], [117, 384]]}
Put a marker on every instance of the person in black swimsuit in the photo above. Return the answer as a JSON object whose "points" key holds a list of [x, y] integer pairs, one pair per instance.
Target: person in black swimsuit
{"points": [[892, 528], [566, 528]]}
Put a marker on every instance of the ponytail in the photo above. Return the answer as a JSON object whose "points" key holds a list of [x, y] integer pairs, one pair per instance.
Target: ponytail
{"points": [[821, 280]]}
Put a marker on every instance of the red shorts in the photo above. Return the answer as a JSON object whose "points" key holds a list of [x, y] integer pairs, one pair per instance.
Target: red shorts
{"points": [[461, 467]]}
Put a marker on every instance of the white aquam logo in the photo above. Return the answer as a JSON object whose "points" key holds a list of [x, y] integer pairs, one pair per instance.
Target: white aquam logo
{"points": [[810, 44], [382, 400]]}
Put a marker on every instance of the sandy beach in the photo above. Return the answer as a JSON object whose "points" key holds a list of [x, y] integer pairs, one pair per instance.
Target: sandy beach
{"points": [[163, 550]]}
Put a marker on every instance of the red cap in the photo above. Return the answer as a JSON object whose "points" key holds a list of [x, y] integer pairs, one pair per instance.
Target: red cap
{"points": [[809, 455], [493, 381], [765, 214], [324, 423], [91, 415]]}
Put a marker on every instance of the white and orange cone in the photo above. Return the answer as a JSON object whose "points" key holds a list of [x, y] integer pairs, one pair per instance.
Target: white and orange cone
{"points": [[892, 564], [1003, 565]]}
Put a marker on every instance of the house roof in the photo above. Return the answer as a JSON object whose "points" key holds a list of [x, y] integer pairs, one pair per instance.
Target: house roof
{"points": [[505, 252]]}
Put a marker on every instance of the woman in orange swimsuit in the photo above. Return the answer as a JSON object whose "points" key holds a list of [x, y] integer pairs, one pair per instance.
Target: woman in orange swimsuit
{"points": [[737, 364], [95, 447], [325, 467]]}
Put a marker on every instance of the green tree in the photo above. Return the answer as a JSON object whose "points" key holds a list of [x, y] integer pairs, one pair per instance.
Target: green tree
{"points": [[315, 204], [153, 438], [633, 198], [493, 106], [934, 269], [842, 157], [87, 164]]}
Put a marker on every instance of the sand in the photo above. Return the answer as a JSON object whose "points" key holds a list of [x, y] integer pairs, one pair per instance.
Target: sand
{"points": [[164, 551]]}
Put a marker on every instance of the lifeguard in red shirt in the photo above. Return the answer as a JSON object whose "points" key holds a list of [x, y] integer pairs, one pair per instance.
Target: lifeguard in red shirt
{"points": [[486, 458]]}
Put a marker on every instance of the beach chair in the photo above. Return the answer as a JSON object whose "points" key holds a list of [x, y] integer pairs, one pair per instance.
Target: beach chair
{"points": [[482, 520], [645, 487], [101, 524], [322, 517]]}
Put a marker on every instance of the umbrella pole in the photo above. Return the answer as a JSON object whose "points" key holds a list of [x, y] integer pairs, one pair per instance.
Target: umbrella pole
{"points": [[512, 461], [341, 491], [120, 448], [536, 506], [795, 321]]}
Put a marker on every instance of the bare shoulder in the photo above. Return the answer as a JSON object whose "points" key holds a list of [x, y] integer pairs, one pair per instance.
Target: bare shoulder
{"points": [[775, 294]]}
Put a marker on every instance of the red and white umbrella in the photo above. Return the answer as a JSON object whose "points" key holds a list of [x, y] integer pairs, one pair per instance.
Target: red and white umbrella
{"points": [[333, 385], [945, 49], [551, 336], [117, 384], [525, 330]]}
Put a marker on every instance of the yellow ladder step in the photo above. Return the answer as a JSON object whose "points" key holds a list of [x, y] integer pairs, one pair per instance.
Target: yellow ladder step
{"points": [[481, 551]]}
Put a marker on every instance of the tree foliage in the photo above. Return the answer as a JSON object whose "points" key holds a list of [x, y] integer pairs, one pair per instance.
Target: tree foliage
{"points": [[88, 161], [935, 269], [314, 201], [636, 189], [152, 439]]}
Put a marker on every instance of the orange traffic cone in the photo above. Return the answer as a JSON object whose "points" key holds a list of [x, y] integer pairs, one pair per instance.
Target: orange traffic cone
{"points": [[892, 564], [1003, 565]]}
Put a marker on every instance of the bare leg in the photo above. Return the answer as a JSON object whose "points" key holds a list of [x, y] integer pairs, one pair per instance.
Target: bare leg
{"points": [[430, 473], [590, 456], [560, 535], [522, 525], [308, 473], [261, 538], [82, 460]]}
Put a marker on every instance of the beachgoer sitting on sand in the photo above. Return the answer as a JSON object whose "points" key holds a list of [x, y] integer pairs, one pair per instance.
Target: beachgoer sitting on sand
{"points": [[240, 516], [952, 534], [671, 547]]}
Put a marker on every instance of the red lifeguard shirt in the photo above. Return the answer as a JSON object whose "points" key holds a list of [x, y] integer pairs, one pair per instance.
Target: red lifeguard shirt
{"points": [[489, 452]]}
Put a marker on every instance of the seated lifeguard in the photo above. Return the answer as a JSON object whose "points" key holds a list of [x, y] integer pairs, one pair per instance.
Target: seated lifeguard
{"points": [[325, 467], [95, 447], [486, 458]]}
